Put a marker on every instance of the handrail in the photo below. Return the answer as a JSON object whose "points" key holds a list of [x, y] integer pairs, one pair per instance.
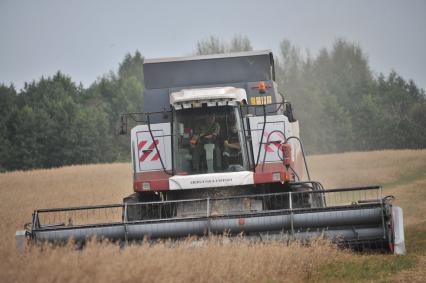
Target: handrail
{"points": [[347, 189]]}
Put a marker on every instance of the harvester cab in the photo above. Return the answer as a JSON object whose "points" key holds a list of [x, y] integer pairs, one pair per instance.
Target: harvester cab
{"points": [[216, 149], [226, 127]]}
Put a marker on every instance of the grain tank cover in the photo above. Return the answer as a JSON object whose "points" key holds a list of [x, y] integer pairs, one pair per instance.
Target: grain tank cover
{"points": [[206, 70]]}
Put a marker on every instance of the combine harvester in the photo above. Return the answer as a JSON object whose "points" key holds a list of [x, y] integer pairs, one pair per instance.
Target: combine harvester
{"points": [[217, 150]]}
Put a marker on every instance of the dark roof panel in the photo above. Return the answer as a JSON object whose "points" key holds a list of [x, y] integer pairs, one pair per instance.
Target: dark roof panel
{"points": [[208, 69]]}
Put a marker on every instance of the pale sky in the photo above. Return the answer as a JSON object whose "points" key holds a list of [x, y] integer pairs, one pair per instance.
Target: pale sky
{"points": [[86, 39]]}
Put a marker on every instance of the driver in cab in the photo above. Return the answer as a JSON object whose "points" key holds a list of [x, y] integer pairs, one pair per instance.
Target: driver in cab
{"points": [[203, 141]]}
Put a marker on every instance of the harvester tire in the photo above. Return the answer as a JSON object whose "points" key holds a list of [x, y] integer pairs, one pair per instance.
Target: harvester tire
{"points": [[306, 200], [139, 212]]}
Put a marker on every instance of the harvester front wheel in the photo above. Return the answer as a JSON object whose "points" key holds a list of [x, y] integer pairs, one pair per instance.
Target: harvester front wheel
{"points": [[303, 199], [138, 212]]}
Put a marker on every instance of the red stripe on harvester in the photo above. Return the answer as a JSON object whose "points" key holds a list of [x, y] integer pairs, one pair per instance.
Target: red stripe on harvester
{"points": [[277, 144], [141, 144], [153, 144], [156, 157], [145, 155], [268, 148]]}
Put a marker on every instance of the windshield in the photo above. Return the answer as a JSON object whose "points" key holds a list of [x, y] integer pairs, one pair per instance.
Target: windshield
{"points": [[208, 140]]}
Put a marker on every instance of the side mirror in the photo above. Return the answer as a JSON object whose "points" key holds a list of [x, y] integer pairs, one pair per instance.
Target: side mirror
{"points": [[289, 112]]}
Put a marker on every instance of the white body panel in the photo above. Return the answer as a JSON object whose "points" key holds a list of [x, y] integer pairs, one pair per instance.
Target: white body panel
{"points": [[144, 155], [398, 230], [278, 128], [226, 179]]}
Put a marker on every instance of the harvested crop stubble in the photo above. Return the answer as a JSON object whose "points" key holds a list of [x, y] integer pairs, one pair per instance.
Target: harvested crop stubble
{"points": [[211, 261], [22, 192], [365, 168]]}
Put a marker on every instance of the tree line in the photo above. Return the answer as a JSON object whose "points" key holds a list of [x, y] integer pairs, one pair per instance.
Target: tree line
{"points": [[339, 101]]}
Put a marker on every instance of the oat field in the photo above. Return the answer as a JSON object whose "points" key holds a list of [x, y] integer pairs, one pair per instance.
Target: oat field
{"points": [[402, 172]]}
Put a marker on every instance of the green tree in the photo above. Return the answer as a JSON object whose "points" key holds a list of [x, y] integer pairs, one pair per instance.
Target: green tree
{"points": [[214, 45], [240, 43], [117, 94], [327, 92], [211, 45], [8, 104]]}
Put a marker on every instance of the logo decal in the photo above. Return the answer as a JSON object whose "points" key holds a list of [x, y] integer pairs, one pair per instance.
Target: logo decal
{"points": [[146, 152], [276, 143]]}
